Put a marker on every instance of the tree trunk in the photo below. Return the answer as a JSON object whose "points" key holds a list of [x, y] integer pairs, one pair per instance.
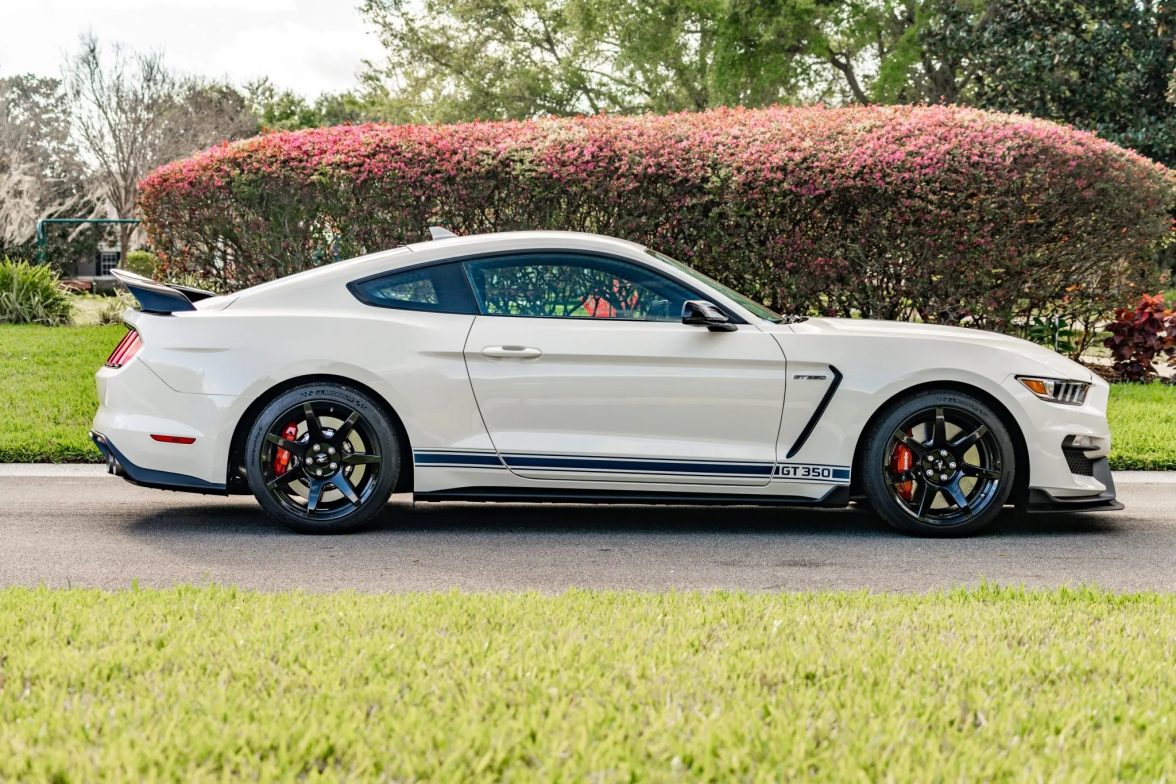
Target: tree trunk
{"points": [[125, 230]]}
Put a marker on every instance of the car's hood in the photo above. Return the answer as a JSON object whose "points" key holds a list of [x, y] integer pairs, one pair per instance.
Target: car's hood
{"points": [[1050, 361]]}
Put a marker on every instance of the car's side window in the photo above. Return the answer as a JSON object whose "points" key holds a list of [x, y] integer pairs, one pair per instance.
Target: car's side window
{"points": [[440, 288], [571, 285]]}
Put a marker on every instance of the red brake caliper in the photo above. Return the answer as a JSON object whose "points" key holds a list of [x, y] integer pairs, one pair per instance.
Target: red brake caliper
{"points": [[282, 458], [902, 460]]}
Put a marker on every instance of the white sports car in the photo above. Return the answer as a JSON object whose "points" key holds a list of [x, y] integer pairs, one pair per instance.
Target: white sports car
{"points": [[553, 366]]}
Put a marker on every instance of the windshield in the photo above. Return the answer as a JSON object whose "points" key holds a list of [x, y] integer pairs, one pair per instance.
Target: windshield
{"points": [[750, 304]]}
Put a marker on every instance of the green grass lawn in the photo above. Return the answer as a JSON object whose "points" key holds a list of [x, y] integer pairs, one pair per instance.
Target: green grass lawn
{"points": [[205, 684], [1143, 426], [48, 394]]}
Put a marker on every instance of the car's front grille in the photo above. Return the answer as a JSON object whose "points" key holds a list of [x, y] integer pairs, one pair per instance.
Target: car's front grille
{"points": [[1078, 462]]}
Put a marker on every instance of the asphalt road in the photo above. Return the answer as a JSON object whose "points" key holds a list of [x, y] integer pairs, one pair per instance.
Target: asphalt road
{"points": [[73, 525]]}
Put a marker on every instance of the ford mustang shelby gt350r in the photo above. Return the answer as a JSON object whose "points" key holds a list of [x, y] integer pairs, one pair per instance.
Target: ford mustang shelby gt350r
{"points": [[553, 366]]}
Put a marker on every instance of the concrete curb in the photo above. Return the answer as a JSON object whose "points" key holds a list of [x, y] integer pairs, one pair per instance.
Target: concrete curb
{"points": [[1144, 477], [52, 470], [91, 470]]}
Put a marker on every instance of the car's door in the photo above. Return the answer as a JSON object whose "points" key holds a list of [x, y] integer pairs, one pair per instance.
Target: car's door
{"points": [[583, 370]]}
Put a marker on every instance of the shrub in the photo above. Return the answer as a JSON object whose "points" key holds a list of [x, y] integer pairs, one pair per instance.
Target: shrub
{"points": [[111, 311], [31, 294], [141, 262], [1139, 336], [951, 215], [180, 277]]}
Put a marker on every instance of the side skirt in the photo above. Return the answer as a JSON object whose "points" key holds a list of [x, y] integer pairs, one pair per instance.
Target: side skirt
{"points": [[835, 497]]}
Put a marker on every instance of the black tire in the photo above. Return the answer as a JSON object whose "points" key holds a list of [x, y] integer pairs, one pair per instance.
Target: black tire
{"points": [[956, 473], [322, 458]]}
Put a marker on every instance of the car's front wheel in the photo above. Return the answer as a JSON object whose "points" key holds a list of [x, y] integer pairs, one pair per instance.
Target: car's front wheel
{"points": [[938, 463], [322, 458]]}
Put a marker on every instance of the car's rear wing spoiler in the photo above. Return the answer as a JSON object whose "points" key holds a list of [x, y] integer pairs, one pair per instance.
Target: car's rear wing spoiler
{"points": [[155, 297]]}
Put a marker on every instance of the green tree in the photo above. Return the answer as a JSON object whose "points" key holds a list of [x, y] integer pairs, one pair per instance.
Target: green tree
{"points": [[1100, 65], [285, 110], [461, 59]]}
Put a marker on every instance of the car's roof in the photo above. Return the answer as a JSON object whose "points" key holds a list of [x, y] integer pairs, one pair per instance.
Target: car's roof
{"points": [[431, 250], [306, 289], [475, 243]]}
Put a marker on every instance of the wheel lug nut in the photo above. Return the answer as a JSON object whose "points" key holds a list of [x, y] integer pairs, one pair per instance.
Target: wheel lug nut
{"points": [[319, 472], [334, 466], [929, 472], [943, 477], [951, 465], [943, 452], [316, 448], [330, 450]]}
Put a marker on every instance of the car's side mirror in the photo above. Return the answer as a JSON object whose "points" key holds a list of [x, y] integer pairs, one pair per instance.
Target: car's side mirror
{"points": [[700, 313]]}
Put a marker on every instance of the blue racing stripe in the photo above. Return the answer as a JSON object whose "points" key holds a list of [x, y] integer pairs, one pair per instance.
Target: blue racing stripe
{"points": [[466, 459], [606, 464], [800, 472]]}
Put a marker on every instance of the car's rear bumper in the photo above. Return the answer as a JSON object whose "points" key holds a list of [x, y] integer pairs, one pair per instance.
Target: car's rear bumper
{"points": [[137, 416], [118, 464], [1042, 501]]}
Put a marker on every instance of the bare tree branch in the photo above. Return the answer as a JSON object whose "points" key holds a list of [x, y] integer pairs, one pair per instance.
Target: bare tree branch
{"points": [[131, 115], [845, 66]]}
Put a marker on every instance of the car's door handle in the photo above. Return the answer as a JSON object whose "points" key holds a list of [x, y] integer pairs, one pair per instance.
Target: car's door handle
{"points": [[512, 352]]}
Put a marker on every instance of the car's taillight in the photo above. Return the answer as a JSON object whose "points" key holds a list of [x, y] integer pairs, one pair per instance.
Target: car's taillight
{"points": [[126, 348]]}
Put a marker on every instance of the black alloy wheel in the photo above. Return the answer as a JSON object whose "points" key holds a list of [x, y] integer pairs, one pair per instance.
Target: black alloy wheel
{"points": [[322, 458], [939, 463]]}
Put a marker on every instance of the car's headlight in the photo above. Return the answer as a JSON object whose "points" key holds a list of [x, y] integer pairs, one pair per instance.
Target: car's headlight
{"points": [[1056, 390]]}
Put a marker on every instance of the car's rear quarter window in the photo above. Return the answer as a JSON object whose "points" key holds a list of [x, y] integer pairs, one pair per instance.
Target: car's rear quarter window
{"points": [[440, 288]]}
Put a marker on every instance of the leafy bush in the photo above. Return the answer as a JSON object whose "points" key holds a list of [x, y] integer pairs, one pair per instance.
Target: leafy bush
{"points": [[111, 311], [31, 294], [951, 215], [1141, 335], [141, 262], [181, 277]]}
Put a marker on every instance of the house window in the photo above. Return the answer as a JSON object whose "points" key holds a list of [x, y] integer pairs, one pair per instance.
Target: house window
{"points": [[107, 260]]}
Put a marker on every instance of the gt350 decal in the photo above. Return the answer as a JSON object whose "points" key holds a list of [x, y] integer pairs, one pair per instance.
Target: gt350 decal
{"points": [[809, 472]]}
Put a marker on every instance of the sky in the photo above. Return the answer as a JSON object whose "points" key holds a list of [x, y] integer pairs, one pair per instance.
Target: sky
{"points": [[306, 46]]}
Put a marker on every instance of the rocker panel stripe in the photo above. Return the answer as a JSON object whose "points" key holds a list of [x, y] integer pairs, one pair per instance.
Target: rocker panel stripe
{"points": [[806, 472]]}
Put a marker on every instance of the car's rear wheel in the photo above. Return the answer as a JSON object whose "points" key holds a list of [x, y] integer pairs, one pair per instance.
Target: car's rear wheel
{"points": [[939, 463], [322, 458]]}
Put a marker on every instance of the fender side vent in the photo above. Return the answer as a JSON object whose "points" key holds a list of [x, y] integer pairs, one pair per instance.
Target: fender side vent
{"points": [[817, 412]]}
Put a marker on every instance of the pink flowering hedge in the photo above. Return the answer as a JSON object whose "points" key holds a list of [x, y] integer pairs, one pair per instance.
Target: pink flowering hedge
{"points": [[956, 215]]}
